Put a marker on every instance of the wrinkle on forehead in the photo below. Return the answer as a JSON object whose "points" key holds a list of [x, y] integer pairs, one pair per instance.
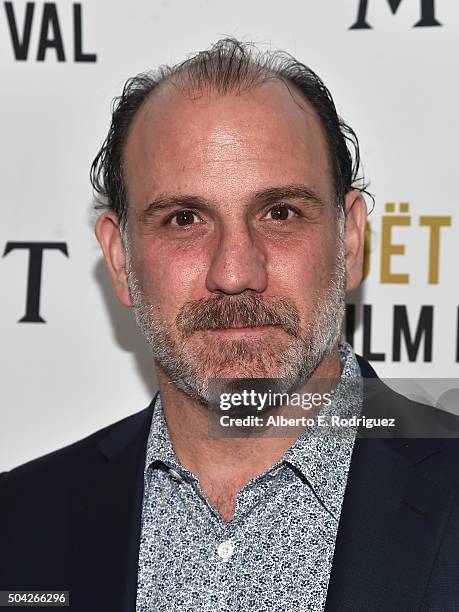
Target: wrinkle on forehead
{"points": [[265, 122]]}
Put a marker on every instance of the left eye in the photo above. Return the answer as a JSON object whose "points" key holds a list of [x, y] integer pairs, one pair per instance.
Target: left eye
{"points": [[281, 212]]}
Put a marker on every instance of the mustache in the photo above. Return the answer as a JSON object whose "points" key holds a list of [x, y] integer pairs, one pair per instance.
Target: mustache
{"points": [[238, 311]]}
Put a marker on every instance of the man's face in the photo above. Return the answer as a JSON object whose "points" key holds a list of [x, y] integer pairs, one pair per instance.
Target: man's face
{"points": [[235, 262]]}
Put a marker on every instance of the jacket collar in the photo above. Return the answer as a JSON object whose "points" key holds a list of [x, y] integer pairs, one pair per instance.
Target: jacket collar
{"points": [[397, 498], [106, 509]]}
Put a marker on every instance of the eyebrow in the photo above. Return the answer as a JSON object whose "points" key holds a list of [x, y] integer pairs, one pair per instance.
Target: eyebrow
{"points": [[266, 196], [288, 192]]}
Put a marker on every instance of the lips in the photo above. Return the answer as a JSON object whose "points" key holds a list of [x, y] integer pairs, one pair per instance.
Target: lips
{"points": [[234, 329]]}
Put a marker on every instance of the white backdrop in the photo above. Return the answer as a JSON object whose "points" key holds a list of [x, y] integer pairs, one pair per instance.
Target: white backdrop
{"points": [[396, 84]]}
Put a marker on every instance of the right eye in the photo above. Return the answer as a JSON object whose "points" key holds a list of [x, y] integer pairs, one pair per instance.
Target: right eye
{"points": [[182, 218]]}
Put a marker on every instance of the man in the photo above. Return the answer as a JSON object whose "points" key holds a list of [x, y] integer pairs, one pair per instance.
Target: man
{"points": [[234, 226]]}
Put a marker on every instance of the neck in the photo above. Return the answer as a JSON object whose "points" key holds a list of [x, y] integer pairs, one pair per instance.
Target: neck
{"points": [[229, 460]]}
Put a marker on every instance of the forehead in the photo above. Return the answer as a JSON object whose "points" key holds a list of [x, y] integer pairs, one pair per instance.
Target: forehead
{"points": [[267, 135]]}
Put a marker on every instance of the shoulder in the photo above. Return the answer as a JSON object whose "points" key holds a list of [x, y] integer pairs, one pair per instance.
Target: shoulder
{"points": [[412, 419], [48, 504], [57, 465]]}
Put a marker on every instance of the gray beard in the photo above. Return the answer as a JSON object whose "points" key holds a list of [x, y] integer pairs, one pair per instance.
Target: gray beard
{"points": [[190, 368]]}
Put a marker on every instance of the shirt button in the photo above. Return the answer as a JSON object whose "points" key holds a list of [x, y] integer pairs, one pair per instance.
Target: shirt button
{"points": [[225, 550]]}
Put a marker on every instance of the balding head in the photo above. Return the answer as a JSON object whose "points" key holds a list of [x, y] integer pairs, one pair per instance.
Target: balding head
{"points": [[228, 67]]}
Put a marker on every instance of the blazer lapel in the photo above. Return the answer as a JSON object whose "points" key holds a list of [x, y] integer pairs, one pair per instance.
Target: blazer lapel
{"points": [[397, 499], [106, 519]]}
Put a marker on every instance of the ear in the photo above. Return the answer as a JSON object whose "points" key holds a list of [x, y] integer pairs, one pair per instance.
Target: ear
{"points": [[354, 237], [109, 236]]}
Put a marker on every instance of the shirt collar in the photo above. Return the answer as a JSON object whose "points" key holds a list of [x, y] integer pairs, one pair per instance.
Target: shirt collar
{"points": [[159, 445], [322, 458]]}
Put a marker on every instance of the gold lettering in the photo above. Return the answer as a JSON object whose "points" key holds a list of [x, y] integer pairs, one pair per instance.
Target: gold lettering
{"points": [[367, 250], [388, 249], [434, 223]]}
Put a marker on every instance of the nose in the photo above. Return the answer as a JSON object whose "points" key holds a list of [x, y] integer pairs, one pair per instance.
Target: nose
{"points": [[238, 262]]}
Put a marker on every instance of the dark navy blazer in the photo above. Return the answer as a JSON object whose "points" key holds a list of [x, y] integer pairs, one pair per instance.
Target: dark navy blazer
{"points": [[71, 520]]}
